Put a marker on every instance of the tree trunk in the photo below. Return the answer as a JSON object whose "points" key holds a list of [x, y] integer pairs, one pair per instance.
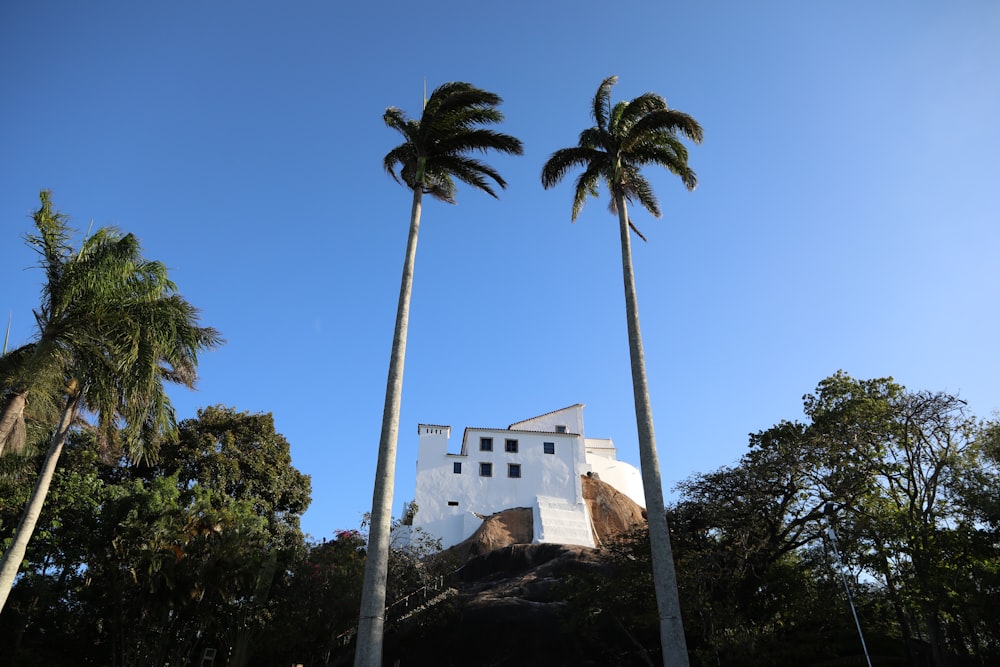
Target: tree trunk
{"points": [[12, 558], [897, 605], [673, 643], [372, 618], [10, 419]]}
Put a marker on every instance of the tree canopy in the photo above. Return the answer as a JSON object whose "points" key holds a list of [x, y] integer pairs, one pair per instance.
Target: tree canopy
{"points": [[112, 331]]}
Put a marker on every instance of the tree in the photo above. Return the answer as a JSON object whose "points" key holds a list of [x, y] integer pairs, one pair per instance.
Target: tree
{"points": [[112, 329], [627, 137], [434, 153], [903, 473], [150, 563], [241, 456]]}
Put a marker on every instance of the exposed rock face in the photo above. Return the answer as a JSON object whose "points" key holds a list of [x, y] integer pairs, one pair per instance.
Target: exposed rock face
{"points": [[510, 607], [513, 526], [612, 512]]}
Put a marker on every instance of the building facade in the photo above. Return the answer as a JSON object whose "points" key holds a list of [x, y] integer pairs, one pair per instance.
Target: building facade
{"points": [[535, 463]]}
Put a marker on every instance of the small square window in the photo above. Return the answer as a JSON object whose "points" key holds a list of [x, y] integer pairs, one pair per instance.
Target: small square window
{"points": [[549, 447], [513, 469], [485, 469], [486, 444], [510, 445], [561, 428], [457, 467]]}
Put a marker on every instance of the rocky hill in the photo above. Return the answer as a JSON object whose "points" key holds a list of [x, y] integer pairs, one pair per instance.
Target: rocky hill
{"points": [[508, 598]]}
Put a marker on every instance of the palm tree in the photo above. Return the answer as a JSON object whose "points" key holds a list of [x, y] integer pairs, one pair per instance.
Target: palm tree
{"points": [[111, 330], [627, 137], [434, 153]]}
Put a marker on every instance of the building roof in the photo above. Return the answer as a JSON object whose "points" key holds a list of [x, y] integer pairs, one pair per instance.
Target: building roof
{"points": [[465, 433], [432, 426], [545, 414]]}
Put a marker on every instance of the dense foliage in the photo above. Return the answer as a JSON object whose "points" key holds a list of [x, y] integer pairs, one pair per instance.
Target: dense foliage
{"points": [[906, 482], [152, 564], [149, 564]]}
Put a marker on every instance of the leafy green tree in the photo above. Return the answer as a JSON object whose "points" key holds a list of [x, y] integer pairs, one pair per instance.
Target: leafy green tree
{"points": [[913, 529], [148, 564], [905, 472], [434, 153], [242, 457], [320, 603], [755, 582], [627, 137], [39, 604], [112, 329]]}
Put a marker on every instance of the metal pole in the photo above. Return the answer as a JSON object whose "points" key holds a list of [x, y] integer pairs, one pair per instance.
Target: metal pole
{"points": [[828, 510]]}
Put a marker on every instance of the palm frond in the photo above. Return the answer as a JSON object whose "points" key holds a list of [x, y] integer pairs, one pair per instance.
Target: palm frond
{"points": [[440, 185], [460, 97], [112, 330], [638, 109], [396, 119], [668, 121], [635, 229], [399, 156], [565, 159], [602, 102], [586, 186], [596, 138], [627, 136], [52, 239], [638, 188], [671, 154], [478, 140], [471, 171], [434, 153], [461, 118]]}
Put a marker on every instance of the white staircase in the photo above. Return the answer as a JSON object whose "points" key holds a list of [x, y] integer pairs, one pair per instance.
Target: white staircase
{"points": [[561, 522]]}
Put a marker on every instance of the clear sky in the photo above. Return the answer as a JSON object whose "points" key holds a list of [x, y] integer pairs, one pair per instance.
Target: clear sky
{"points": [[846, 216]]}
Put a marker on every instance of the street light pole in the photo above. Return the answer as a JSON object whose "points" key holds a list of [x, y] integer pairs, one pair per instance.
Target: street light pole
{"points": [[828, 511]]}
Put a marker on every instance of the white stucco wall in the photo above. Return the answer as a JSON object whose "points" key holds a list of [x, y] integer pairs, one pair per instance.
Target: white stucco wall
{"points": [[448, 502]]}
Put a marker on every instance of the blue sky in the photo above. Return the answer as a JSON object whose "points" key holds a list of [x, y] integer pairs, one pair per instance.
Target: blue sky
{"points": [[846, 216]]}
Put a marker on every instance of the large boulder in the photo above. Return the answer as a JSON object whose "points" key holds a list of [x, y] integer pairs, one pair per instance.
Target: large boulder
{"points": [[508, 598], [611, 511]]}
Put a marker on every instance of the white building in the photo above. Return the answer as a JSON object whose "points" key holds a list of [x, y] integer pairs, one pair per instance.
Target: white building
{"points": [[536, 463]]}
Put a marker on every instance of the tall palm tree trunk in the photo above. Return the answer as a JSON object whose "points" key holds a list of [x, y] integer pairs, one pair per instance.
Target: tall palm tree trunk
{"points": [[372, 619], [13, 413], [12, 558], [672, 640]]}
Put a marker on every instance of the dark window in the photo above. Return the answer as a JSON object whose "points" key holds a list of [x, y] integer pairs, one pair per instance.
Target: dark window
{"points": [[486, 444], [457, 467], [549, 447], [452, 503], [561, 428], [513, 469], [485, 469], [510, 445]]}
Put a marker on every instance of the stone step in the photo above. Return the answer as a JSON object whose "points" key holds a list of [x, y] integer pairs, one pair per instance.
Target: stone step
{"points": [[563, 523]]}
